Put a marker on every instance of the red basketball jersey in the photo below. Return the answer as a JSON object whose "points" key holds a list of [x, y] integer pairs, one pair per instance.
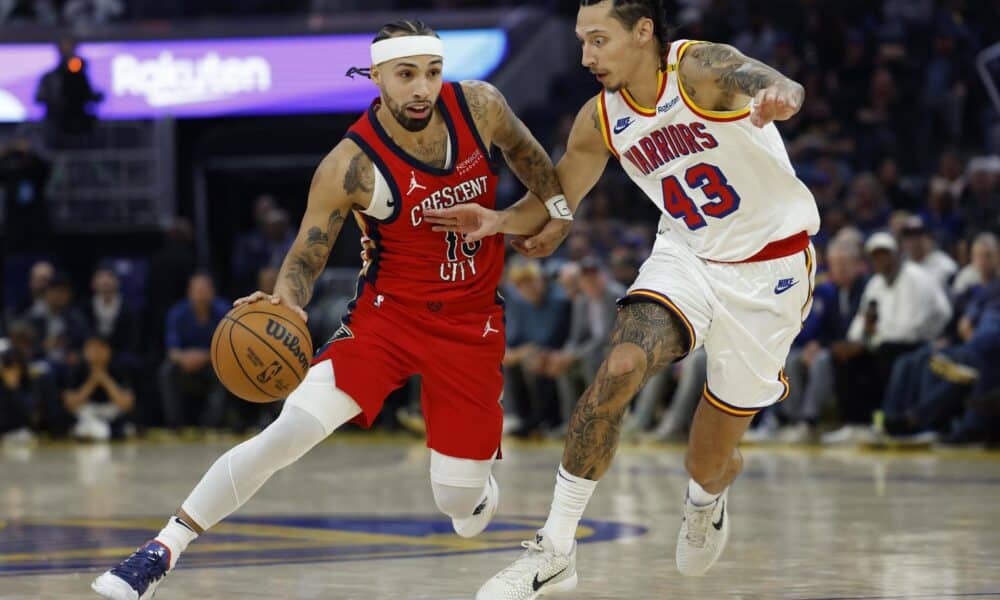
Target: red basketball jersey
{"points": [[404, 259]]}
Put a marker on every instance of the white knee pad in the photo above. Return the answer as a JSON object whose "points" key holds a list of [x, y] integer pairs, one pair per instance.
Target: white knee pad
{"points": [[458, 483], [319, 396]]}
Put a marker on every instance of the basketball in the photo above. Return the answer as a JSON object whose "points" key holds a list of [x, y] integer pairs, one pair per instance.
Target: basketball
{"points": [[261, 351]]}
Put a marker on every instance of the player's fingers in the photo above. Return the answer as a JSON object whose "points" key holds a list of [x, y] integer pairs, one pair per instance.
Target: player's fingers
{"points": [[446, 228], [254, 297], [302, 314], [440, 220]]}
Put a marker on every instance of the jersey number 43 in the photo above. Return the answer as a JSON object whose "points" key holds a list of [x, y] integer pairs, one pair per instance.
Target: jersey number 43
{"points": [[723, 199]]}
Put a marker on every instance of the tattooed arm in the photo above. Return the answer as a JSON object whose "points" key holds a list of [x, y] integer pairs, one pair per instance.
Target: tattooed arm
{"points": [[342, 181], [497, 124], [578, 171], [720, 77]]}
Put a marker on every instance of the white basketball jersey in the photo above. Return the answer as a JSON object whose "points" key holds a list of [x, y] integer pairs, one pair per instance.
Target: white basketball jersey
{"points": [[726, 188]]}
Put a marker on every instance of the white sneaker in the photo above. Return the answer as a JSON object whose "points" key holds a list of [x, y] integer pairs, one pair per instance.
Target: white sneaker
{"points": [[763, 434], [703, 536], [800, 433], [540, 571], [848, 435], [482, 515]]}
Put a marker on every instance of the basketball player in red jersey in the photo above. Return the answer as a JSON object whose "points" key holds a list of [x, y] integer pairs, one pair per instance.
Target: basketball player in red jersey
{"points": [[427, 302]]}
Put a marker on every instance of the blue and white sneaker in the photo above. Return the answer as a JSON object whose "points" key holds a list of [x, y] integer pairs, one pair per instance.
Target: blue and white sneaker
{"points": [[136, 577]]}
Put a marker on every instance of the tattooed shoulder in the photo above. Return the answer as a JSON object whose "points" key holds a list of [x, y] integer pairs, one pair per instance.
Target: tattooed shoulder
{"points": [[360, 176], [478, 95]]}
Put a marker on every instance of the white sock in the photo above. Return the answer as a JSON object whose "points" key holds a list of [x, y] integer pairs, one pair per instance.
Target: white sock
{"points": [[568, 503], [698, 496], [176, 535]]}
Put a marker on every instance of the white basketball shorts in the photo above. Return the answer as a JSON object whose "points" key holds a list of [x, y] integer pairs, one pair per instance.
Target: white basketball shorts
{"points": [[746, 315]]}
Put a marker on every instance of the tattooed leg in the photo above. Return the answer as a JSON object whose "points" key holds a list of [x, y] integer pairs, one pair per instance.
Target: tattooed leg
{"points": [[646, 338]]}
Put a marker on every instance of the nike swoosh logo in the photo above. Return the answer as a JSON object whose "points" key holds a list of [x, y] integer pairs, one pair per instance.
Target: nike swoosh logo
{"points": [[722, 517], [784, 286], [537, 584], [620, 127]]}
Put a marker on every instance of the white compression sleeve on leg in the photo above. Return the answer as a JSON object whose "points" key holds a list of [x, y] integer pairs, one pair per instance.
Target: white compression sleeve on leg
{"points": [[313, 411], [458, 483]]}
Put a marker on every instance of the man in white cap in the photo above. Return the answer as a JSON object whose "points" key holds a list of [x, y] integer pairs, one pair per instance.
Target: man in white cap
{"points": [[902, 307], [427, 301]]}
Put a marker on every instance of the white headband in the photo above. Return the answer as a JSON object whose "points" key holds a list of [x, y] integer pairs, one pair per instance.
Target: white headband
{"points": [[406, 45]]}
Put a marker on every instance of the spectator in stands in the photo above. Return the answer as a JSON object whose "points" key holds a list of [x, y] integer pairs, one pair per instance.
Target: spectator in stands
{"points": [[99, 394], [594, 308], [17, 399], [39, 279], [172, 266], [980, 200], [112, 319], [900, 197], [941, 216], [189, 389], [537, 322], [24, 173], [866, 203], [983, 267], [63, 327], [919, 246], [28, 351], [901, 308], [265, 246]]}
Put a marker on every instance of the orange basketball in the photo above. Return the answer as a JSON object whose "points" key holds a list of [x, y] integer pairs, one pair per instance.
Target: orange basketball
{"points": [[261, 351]]}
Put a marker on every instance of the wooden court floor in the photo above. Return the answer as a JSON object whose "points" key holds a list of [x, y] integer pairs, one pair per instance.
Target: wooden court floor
{"points": [[355, 520]]}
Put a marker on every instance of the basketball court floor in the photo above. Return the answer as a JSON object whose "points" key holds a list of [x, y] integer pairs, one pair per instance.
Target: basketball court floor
{"points": [[355, 520]]}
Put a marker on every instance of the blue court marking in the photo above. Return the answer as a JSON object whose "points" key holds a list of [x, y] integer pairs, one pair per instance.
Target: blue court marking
{"points": [[814, 475], [919, 597], [33, 547]]}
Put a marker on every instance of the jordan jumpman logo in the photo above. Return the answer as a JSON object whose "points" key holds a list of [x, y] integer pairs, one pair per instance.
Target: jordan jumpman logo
{"points": [[414, 185], [489, 327]]}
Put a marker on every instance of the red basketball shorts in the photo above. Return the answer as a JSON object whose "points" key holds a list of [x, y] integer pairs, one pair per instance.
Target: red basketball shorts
{"points": [[458, 357]]}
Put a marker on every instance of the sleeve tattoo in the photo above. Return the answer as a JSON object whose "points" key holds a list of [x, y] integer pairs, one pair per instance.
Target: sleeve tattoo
{"points": [[734, 73]]}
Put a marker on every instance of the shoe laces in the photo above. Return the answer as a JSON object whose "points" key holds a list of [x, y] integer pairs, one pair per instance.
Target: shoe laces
{"points": [[698, 521], [142, 564], [535, 556]]}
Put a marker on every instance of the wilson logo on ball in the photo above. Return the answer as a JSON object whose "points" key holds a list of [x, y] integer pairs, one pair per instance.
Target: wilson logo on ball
{"points": [[290, 341]]}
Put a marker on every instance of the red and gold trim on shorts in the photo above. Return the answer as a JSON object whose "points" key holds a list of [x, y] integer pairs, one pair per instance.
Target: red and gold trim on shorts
{"points": [[602, 114], [720, 116], [667, 303], [809, 282], [736, 411]]}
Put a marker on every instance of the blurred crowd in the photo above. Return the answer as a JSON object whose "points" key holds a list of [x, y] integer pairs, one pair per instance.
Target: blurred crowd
{"points": [[897, 140]]}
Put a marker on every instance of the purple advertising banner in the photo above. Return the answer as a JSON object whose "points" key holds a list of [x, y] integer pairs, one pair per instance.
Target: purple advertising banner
{"points": [[218, 77]]}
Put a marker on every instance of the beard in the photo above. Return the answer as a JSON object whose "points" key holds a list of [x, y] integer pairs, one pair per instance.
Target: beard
{"points": [[409, 123]]}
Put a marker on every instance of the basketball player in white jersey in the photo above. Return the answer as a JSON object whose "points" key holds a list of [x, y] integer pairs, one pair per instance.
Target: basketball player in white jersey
{"points": [[732, 267]]}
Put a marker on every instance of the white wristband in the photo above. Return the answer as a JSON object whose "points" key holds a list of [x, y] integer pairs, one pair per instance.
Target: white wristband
{"points": [[559, 208]]}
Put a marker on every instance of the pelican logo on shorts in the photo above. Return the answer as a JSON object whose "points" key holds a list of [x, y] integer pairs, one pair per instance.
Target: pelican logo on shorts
{"points": [[290, 341], [344, 333], [269, 540], [268, 374]]}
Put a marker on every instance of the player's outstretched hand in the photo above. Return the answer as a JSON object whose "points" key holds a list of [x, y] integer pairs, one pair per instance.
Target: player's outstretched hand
{"points": [[545, 241], [775, 103], [260, 296], [475, 222]]}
